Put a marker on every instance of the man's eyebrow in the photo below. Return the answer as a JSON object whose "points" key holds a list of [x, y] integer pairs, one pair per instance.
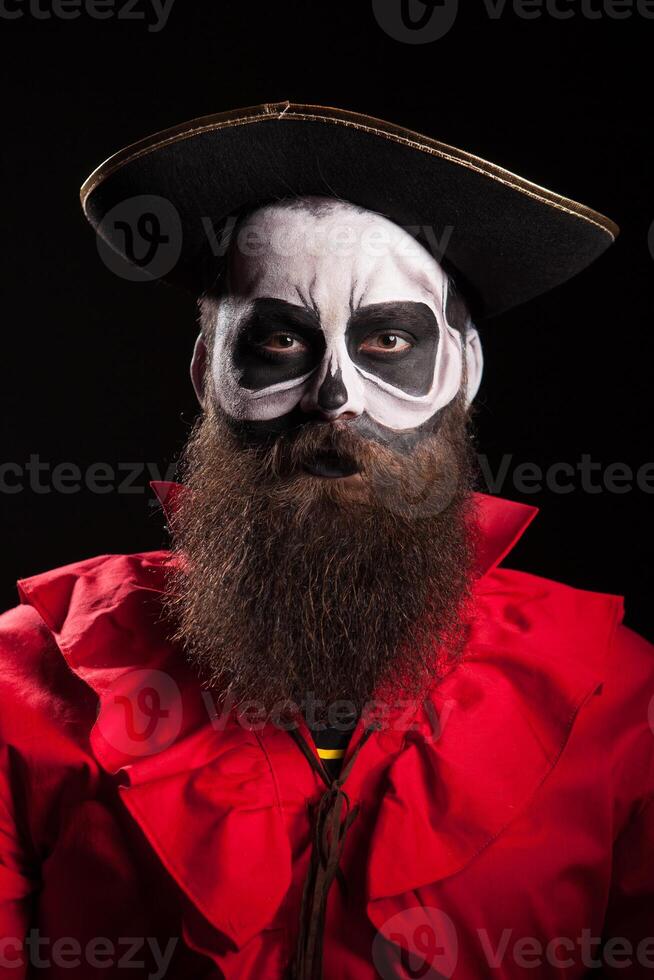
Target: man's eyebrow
{"points": [[407, 309], [269, 306]]}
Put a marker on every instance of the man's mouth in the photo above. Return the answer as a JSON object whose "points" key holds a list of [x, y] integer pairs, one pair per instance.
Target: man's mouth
{"points": [[331, 465]]}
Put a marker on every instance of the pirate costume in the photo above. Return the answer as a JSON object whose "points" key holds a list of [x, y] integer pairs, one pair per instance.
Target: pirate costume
{"points": [[515, 800]]}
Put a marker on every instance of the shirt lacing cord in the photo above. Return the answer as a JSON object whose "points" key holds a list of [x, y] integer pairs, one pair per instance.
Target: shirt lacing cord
{"points": [[329, 832]]}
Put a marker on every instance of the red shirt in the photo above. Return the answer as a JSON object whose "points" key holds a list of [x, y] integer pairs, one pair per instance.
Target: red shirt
{"points": [[504, 825]]}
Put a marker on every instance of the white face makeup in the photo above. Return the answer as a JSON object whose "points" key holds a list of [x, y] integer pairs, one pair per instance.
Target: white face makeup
{"points": [[336, 310]]}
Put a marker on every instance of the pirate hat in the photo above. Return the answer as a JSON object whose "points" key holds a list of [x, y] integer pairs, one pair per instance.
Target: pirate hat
{"points": [[163, 204]]}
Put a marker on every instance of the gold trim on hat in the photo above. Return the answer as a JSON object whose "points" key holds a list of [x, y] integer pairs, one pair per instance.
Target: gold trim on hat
{"points": [[341, 117]]}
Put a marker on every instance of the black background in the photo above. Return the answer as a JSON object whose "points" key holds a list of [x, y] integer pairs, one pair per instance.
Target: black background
{"points": [[95, 369]]}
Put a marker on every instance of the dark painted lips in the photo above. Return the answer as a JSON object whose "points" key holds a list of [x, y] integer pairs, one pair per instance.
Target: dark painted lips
{"points": [[332, 466]]}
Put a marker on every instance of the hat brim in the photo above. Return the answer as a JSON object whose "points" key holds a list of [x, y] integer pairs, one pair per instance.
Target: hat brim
{"points": [[507, 238]]}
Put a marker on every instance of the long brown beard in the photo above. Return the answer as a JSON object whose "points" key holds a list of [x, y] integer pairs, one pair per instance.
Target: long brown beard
{"points": [[292, 589]]}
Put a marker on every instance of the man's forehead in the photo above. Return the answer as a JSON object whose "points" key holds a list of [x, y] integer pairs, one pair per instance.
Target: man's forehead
{"points": [[326, 253]]}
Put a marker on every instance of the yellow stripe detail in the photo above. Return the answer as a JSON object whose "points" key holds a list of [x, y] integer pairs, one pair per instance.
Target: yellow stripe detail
{"points": [[331, 753]]}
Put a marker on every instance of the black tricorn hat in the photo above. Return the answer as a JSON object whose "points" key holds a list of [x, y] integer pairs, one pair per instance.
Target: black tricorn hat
{"points": [[506, 239]]}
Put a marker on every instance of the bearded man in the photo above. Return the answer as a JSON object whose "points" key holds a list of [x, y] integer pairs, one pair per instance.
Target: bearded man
{"points": [[325, 735]]}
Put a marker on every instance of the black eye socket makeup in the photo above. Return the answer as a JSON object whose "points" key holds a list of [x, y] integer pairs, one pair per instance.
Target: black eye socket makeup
{"points": [[410, 368], [259, 366]]}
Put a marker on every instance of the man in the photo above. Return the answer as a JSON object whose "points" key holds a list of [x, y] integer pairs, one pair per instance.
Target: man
{"points": [[326, 735]]}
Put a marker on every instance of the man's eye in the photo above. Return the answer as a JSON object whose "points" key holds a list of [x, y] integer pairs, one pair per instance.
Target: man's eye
{"points": [[385, 342], [282, 343]]}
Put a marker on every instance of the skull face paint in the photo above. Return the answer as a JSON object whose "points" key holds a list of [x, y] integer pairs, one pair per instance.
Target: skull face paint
{"points": [[335, 311]]}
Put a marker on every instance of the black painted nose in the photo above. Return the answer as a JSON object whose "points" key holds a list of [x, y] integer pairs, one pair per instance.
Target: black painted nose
{"points": [[332, 393]]}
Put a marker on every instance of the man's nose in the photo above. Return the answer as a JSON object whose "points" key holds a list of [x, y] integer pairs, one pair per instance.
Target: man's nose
{"points": [[330, 399], [332, 393]]}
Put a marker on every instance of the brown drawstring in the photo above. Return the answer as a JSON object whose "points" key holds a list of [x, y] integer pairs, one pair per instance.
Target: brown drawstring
{"points": [[328, 839]]}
